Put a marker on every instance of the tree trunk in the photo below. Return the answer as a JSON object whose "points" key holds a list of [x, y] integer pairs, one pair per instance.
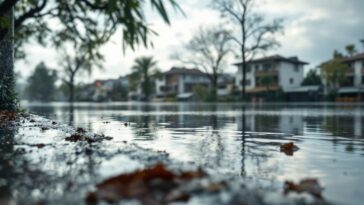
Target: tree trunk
{"points": [[7, 78], [244, 64], [146, 88], [214, 88], [72, 89]]}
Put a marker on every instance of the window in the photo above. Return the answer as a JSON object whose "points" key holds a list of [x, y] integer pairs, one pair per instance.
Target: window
{"points": [[296, 68], [291, 81], [266, 67], [362, 64], [247, 82], [256, 67], [248, 69]]}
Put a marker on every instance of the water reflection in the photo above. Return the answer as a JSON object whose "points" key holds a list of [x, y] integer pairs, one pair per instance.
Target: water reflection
{"points": [[7, 172], [240, 140]]}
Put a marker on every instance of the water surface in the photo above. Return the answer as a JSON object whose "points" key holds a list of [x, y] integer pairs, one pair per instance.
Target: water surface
{"points": [[239, 140]]}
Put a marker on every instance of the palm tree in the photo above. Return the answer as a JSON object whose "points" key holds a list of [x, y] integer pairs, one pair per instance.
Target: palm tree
{"points": [[144, 71], [350, 49]]}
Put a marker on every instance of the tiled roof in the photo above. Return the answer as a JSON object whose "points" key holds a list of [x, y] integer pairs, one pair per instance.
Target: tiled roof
{"points": [[348, 59], [356, 57], [276, 58], [177, 70]]}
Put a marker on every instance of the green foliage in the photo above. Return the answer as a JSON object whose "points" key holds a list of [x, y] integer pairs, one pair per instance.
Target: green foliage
{"points": [[331, 96], [337, 54], [41, 84], [87, 21], [90, 23], [4, 22], [350, 49], [312, 78], [201, 92], [334, 72]]}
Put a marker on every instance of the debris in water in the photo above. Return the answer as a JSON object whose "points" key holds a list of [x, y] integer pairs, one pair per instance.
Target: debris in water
{"points": [[82, 137], [156, 185], [289, 148], [80, 130], [40, 146], [309, 185], [79, 137]]}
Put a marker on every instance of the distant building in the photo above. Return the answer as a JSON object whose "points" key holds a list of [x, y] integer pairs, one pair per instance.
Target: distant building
{"points": [[180, 83], [284, 72], [273, 73], [352, 89], [111, 89]]}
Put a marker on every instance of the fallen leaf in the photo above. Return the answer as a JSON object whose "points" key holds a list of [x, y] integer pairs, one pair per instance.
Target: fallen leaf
{"points": [[40, 146], [288, 148], [309, 185], [155, 185]]}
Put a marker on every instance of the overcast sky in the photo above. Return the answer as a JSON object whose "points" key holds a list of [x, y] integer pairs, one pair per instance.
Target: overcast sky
{"points": [[312, 30]]}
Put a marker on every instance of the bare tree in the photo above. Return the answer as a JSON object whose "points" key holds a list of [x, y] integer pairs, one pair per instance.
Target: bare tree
{"points": [[256, 35], [74, 64], [208, 50]]}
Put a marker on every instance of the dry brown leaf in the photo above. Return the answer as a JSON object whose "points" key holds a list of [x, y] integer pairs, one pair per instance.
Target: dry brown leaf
{"points": [[154, 185], [309, 185], [288, 148]]}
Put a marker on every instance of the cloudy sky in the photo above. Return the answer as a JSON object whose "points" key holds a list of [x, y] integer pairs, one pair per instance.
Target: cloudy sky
{"points": [[312, 30]]}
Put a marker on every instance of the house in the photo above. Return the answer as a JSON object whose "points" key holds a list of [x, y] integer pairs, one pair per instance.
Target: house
{"points": [[180, 82], [272, 73], [111, 89], [352, 89]]}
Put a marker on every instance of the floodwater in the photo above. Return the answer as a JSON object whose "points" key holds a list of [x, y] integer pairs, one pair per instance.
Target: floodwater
{"points": [[232, 139]]}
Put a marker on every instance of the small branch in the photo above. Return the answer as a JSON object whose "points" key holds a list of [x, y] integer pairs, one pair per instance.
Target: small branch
{"points": [[31, 13]]}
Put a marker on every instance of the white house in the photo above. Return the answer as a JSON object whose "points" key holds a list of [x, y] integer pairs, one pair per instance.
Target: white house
{"points": [[283, 72]]}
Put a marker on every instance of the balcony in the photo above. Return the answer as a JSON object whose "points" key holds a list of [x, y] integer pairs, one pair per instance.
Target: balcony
{"points": [[266, 73]]}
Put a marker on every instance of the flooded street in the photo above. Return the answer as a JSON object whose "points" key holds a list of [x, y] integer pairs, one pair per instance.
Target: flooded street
{"points": [[241, 141]]}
